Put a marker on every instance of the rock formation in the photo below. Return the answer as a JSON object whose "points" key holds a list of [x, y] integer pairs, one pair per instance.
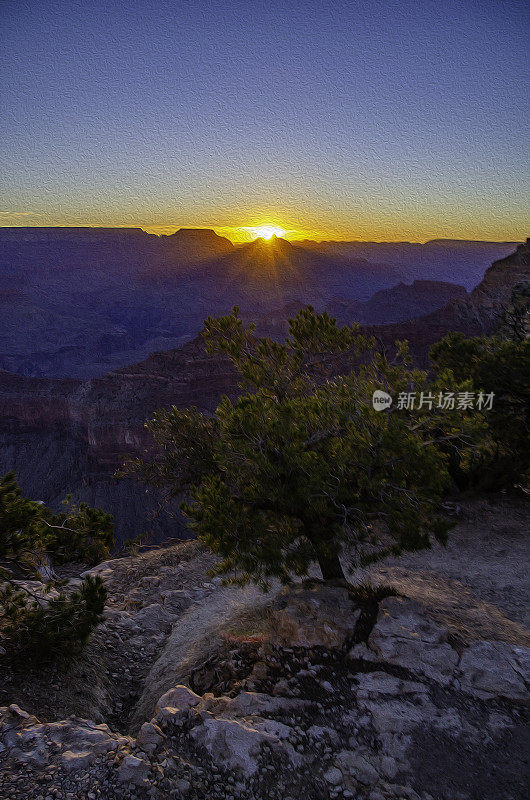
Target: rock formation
{"points": [[398, 304], [78, 302], [194, 690], [477, 314]]}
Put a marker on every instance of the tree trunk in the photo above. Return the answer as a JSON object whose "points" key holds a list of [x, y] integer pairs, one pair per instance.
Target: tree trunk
{"points": [[328, 562], [331, 569]]}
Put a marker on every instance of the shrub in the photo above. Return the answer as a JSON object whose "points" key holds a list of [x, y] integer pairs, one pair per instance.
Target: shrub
{"points": [[32, 538], [501, 366], [36, 631]]}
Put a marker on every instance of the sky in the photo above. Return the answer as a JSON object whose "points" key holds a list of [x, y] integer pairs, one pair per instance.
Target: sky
{"points": [[373, 120]]}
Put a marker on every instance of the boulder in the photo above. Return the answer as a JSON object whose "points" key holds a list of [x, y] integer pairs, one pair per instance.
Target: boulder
{"points": [[169, 716], [357, 766], [133, 770], [72, 760], [78, 741], [149, 737], [333, 776], [321, 733], [175, 600], [234, 744], [180, 697], [153, 618]]}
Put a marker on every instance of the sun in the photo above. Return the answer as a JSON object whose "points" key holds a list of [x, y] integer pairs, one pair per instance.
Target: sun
{"points": [[265, 231]]}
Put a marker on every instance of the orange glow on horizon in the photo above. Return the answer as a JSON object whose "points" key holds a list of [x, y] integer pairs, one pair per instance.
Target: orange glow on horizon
{"points": [[246, 233], [266, 228]]}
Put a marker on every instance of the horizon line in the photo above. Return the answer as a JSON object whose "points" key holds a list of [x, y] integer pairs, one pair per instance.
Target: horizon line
{"points": [[151, 231]]}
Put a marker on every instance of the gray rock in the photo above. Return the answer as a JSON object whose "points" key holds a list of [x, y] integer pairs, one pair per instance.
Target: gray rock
{"points": [[154, 618], [356, 765], [403, 635], [494, 669], [333, 776], [133, 770], [78, 742], [175, 600], [282, 688], [389, 767], [319, 733], [180, 697], [74, 760], [149, 737], [16, 711], [233, 744]]}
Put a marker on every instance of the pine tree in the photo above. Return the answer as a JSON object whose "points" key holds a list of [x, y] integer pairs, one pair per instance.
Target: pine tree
{"points": [[300, 467]]}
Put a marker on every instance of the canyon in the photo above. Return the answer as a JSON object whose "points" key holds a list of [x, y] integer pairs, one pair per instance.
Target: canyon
{"points": [[69, 436], [79, 302]]}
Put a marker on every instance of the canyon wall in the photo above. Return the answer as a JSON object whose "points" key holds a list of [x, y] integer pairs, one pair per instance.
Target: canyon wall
{"points": [[65, 435]]}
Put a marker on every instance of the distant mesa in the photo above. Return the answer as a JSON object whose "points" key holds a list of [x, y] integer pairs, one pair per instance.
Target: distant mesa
{"points": [[195, 235], [196, 243]]}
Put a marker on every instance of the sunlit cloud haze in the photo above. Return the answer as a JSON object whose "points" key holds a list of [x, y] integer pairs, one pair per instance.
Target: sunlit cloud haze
{"points": [[362, 120]]}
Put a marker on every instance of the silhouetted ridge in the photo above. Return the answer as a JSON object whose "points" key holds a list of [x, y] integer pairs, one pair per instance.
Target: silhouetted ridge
{"points": [[94, 299]]}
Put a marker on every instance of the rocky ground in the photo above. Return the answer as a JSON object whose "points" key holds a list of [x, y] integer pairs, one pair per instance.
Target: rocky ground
{"points": [[194, 690]]}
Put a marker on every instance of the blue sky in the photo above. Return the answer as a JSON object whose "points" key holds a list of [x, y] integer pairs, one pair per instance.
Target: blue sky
{"points": [[358, 120]]}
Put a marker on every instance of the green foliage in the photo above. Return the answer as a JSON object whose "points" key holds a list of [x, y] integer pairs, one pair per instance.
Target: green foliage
{"points": [[18, 517], [301, 466], [32, 539], [184, 438], [515, 319], [79, 533], [501, 366], [37, 631]]}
